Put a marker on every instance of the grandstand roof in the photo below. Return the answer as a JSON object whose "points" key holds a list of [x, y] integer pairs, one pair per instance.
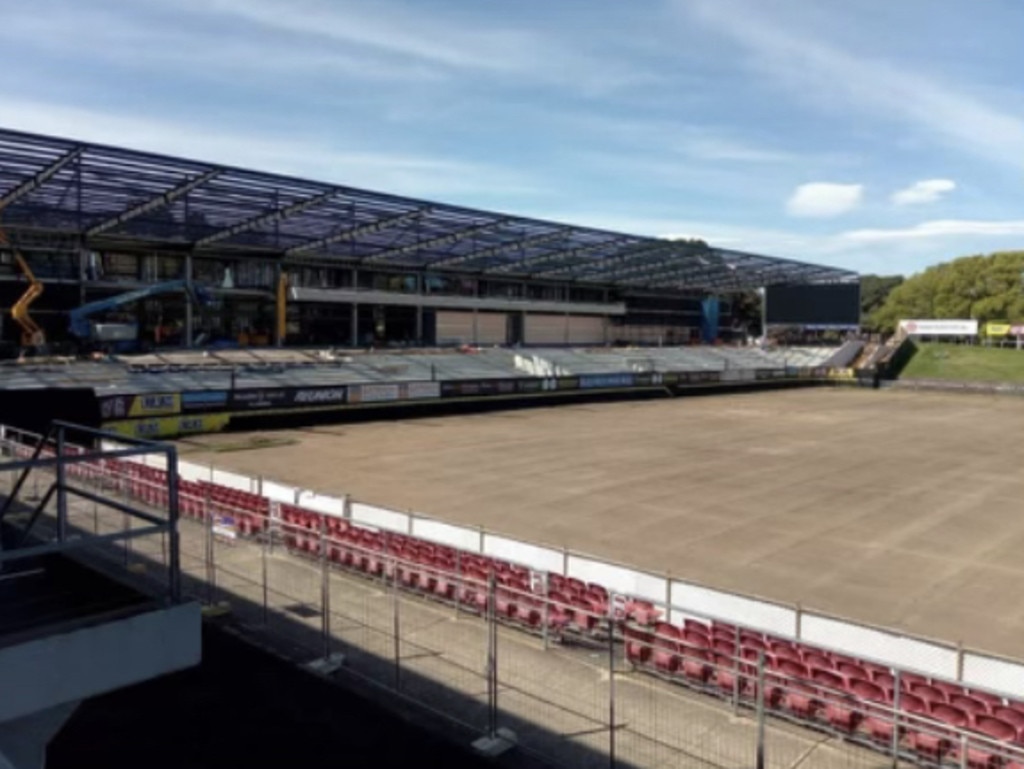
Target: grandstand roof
{"points": [[111, 197]]}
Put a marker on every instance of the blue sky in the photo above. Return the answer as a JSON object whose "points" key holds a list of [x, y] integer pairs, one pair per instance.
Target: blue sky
{"points": [[876, 135]]}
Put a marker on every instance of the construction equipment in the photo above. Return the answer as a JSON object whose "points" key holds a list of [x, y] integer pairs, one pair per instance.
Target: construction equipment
{"points": [[126, 334], [31, 334]]}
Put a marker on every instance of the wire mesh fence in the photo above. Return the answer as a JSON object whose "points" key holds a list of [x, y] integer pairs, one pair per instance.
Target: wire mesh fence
{"points": [[580, 676]]}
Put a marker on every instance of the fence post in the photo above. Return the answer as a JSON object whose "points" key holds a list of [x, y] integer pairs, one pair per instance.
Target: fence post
{"points": [[492, 654], [263, 573], [396, 624], [760, 709], [736, 672], [896, 696], [611, 694], [211, 567], [173, 558], [325, 590], [547, 614], [799, 621], [959, 660]]}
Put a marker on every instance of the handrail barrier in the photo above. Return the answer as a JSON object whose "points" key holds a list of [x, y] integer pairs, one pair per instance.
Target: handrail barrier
{"points": [[760, 658]]}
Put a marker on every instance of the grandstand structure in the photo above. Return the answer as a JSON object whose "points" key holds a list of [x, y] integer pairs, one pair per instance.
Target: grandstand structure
{"points": [[292, 261], [495, 632]]}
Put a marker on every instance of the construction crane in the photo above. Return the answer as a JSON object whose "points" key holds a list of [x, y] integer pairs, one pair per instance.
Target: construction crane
{"points": [[81, 325], [31, 333]]}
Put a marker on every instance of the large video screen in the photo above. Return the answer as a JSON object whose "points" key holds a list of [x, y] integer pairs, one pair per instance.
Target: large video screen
{"points": [[834, 305]]}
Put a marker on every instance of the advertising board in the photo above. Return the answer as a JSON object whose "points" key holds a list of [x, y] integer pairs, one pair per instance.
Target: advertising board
{"points": [[260, 399], [139, 405], [599, 381], [166, 427], [204, 400], [373, 393], [940, 327]]}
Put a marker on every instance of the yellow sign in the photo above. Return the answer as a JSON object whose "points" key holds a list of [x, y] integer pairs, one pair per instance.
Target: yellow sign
{"points": [[997, 329], [168, 427], [842, 373]]}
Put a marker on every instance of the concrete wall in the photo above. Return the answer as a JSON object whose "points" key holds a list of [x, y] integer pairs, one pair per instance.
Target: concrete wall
{"points": [[72, 666]]}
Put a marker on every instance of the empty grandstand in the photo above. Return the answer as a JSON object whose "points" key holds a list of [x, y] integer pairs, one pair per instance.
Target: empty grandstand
{"points": [[291, 261]]}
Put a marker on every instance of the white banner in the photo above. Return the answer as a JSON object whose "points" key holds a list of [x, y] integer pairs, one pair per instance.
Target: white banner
{"points": [[523, 553], [321, 503], [372, 393], [749, 612], [380, 518], [940, 327], [618, 578], [446, 534]]}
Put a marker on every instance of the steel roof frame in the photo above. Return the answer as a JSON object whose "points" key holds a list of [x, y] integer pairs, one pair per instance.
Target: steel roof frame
{"points": [[111, 194]]}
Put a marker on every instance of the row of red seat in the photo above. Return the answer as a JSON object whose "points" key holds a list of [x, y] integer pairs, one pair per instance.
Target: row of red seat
{"points": [[713, 655], [851, 696]]}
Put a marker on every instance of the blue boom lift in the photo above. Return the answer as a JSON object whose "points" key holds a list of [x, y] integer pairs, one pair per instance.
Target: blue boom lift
{"points": [[125, 335]]}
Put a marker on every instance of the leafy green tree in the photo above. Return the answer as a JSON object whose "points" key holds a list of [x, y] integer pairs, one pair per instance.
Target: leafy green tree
{"points": [[980, 287], [874, 290]]}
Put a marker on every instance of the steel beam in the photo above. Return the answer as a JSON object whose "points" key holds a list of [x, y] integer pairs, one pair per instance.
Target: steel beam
{"points": [[160, 201], [558, 256], [354, 233], [40, 178], [622, 258], [485, 253], [438, 242], [265, 218]]}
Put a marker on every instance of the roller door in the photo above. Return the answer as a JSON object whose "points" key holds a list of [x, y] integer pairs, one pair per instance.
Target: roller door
{"points": [[454, 327], [545, 329], [586, 329], [491, 328]]}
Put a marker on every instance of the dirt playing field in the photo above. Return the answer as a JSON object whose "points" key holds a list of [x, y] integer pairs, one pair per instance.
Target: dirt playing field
{"points": [[902, 509]]}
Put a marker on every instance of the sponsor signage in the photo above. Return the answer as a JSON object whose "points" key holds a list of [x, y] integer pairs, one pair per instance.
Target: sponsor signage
{"points": [[567, 383], [420, 390], [594, 381], [530, 385], [705, 376], [139, 405], [1017, 330], [940, 327], [471, 388], [258, 399], [166, 427], [318, 396], [670, 378], [373, 393], [843, 374], [204, 400], [225, 526], [997, 329]]}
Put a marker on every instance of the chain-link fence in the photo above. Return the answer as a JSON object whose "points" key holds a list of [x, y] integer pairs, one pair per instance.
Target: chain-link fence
{"points": [[574, 674]]}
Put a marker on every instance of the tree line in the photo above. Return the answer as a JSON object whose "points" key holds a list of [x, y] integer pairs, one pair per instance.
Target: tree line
{"points": [[984, 288]]}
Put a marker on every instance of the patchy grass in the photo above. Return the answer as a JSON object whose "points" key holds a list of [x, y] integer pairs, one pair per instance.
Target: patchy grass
{"points": [[965, 363]]}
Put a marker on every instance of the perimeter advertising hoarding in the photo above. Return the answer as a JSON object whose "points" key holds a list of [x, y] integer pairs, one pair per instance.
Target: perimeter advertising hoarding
{"points": [[476, 387], [940, 327], [139, 405], [603, 381], [699, 377], [262, 399], [203, 400], [167, 427], [997, 329]]}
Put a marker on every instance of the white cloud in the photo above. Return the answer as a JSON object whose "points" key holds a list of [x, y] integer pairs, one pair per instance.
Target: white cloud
{"points": [[940, 228], [295, 154], [812, 69], [824, 199], [926, 191]]}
